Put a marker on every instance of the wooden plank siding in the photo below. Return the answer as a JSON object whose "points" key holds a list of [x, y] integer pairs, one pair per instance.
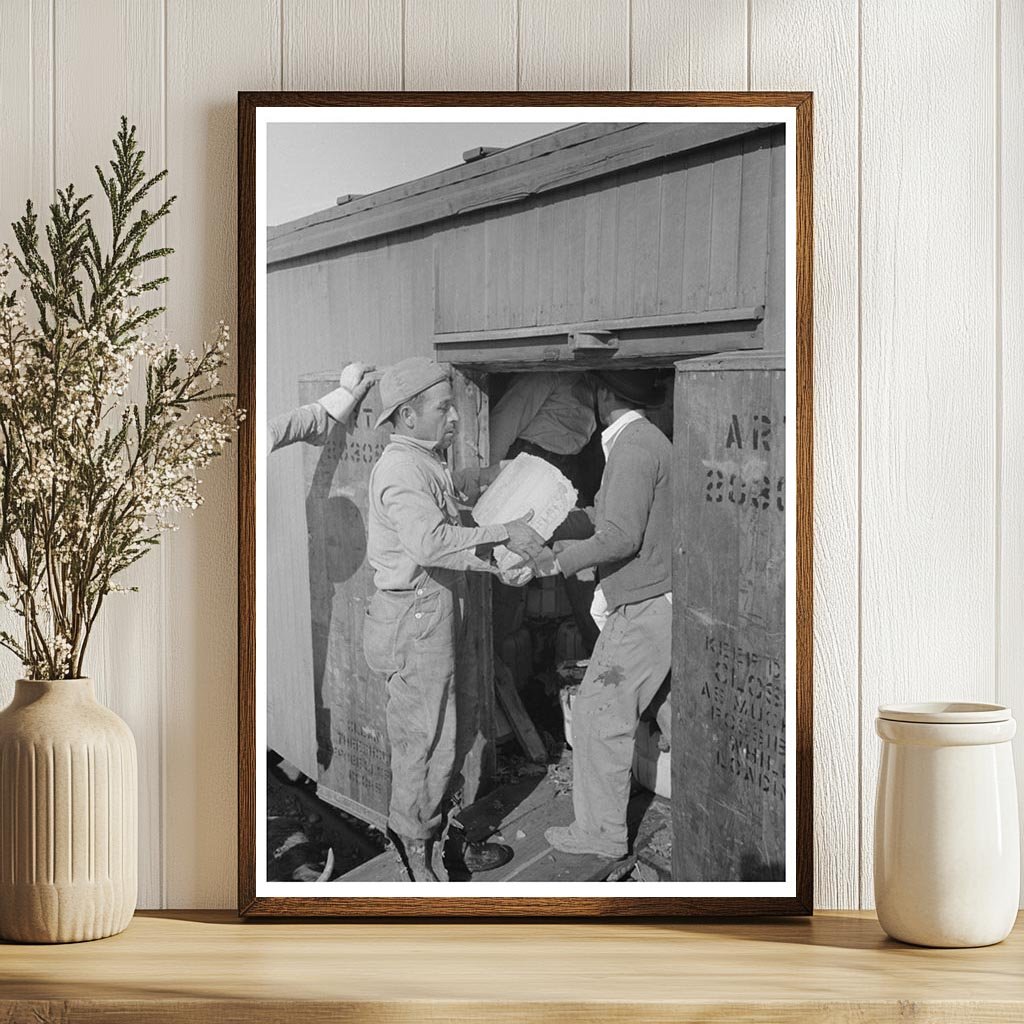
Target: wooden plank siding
{"points": [[647, 250], [507, 177], [724, 240], [699, 181], [381, 289], [303, 305], [685, 234], [374, 305]]}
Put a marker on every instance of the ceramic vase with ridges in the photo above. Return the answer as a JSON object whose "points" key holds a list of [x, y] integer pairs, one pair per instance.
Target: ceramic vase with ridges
{"points": [[947, 846], [68, 815]]}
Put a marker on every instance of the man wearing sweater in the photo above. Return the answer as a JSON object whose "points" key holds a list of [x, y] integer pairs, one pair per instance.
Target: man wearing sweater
{"points": [[632, 549]]}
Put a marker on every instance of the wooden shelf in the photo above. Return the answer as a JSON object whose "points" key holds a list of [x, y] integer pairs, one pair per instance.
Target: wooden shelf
{"points": [[209, 966]]}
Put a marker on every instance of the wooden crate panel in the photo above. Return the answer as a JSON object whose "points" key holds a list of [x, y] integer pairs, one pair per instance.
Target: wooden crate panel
{"points": [[352, 748], [729, 742]]}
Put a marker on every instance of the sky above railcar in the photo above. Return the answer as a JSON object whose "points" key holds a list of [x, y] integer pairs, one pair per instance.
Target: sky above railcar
{"points": [[310, 164]]}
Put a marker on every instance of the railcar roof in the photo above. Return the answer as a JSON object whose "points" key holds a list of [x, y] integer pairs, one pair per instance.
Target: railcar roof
{"points": [[557, 160]]}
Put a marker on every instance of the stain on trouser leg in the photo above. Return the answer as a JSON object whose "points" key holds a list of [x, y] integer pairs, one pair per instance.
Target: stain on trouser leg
{"points": [[632, 657]]}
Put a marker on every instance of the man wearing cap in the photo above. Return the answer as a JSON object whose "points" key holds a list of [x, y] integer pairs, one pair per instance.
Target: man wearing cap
{"points": [[549, 415], [313, 423], [415, 628], [631, 547]]}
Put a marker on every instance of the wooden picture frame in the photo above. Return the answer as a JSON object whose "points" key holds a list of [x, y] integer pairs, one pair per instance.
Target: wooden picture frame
{"points": [[480, 350]]}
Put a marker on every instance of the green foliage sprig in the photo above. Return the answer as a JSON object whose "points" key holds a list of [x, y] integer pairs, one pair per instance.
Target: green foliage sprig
{"points": [[90, 477]]}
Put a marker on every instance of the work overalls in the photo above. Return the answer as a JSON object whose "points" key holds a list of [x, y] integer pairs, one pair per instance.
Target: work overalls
{"points": [[418, 640]]}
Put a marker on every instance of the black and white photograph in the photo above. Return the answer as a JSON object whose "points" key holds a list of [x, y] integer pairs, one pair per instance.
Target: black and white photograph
{"points": [[525, 502]]}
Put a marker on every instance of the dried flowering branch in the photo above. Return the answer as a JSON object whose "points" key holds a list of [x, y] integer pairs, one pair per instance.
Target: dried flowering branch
{"points": [[89, 478]]}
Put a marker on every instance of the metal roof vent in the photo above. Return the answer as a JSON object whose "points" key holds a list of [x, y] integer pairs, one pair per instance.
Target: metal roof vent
{"points": [[348, 198], [479, 153]]}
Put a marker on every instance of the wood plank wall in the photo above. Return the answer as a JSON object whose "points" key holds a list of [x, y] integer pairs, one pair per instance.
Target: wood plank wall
{"points": [[919, 305], [593, 251]]}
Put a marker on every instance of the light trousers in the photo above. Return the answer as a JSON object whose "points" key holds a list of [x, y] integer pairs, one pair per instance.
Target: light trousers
{"points": [[630, 662]]}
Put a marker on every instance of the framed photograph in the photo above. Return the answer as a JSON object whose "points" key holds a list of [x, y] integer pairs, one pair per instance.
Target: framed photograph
{"points": [[525, 500]]}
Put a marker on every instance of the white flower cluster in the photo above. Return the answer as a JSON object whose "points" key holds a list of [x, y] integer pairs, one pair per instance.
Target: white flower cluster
{"points": [[101, 443]]}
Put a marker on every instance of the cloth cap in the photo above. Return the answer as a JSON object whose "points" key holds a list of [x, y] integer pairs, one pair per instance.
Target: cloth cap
{"points": [[405, 380], [638, 387]]}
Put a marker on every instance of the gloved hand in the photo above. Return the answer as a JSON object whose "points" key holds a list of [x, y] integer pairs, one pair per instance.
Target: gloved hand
{"points": [[357, 378]]}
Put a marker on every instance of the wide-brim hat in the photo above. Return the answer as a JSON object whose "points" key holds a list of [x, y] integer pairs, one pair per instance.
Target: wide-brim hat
{"points": [[406, 380], [638, 387]]}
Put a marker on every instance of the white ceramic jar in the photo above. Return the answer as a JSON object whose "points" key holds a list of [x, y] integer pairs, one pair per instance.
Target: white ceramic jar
{"points": [[68, 815], [947, 847]]}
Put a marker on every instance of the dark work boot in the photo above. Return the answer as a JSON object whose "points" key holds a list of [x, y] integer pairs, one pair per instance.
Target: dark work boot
{"points": [[479, 857]]}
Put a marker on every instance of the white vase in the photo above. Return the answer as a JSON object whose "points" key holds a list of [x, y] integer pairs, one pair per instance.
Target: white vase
{"points": [[68, 815], [947, 847]]}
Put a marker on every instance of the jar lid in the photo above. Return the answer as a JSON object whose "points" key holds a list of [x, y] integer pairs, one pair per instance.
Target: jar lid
{"points": [[945, 713]]}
